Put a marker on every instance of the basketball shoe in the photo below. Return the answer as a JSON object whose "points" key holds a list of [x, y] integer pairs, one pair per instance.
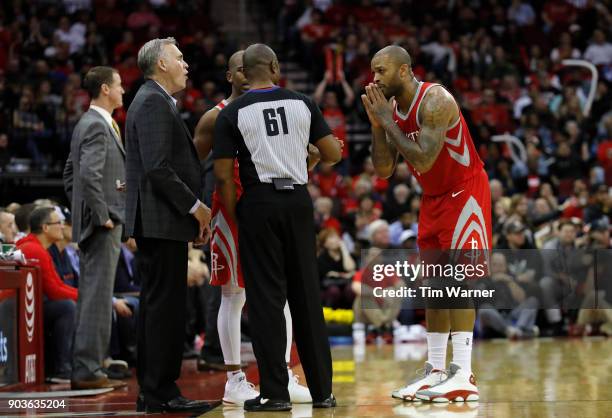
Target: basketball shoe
{"points": [[460, 386], [238, 389], [428, 378], [297, 392]]}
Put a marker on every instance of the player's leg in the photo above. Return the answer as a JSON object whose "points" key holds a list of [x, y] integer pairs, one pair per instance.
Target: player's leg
{"points": [[226, 273], [437, 320], [237, 388], [471, 232], [297, 392]]}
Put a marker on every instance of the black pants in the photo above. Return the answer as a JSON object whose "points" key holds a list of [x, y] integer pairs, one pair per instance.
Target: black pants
{"points": [[161, 325], [60, 323], [277, 250]]}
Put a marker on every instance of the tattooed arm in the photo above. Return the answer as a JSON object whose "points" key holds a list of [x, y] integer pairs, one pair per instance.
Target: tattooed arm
{"points": [[437, 112]]}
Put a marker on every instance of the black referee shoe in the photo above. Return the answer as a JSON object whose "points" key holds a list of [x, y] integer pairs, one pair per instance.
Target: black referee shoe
{"points": [[262, 404], [327, 403]]}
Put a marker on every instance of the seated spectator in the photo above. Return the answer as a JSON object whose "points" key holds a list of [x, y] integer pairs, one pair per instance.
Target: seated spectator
{"points": [[63, 253], [126, 304], [328, 180], [8, 229], [378, 313], [598, 278], [59, 306], [367, 212], [406, 222], [323, 214], [336, 269], [22, 220], [600, 204], [398, 202], [518, 322], [521, 13], [142, 18], [29, 130], [5, 156], [599, 51], [564, 274]]}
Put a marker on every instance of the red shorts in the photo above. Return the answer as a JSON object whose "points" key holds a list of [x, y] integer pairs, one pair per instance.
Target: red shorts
{"points": [[225, 258], [457, 223]]}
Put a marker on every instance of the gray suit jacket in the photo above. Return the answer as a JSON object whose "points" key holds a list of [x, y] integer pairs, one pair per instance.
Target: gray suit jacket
{"points": [[95, 163], [163, 169]]}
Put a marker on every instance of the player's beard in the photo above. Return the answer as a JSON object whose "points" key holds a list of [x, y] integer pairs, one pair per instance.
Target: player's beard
{"points": [[393, 90]]}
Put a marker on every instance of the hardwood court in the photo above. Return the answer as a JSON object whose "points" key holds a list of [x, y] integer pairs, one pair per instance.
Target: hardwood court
{"points": [[539, 378]]}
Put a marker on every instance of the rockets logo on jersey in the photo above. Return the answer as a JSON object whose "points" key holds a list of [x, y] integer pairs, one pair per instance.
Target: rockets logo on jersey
{"points": [[458, 159]]}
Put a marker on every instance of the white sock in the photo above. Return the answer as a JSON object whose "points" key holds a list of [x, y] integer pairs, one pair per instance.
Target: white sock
{"points": [[289, 324], [462, 349], [228, 322], [436, 349]]}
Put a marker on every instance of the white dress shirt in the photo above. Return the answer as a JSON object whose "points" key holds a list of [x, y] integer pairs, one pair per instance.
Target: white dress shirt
{"points": [[107, 116]]}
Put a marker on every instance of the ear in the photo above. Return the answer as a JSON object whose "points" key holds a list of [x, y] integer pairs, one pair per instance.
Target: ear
{"points": [[105, 89], [274, 67], [161, 63], [405, 71], [228, 76]]}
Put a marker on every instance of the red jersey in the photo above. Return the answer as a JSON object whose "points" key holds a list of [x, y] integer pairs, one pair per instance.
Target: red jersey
{"points": [[458, 160], [216, 199]]}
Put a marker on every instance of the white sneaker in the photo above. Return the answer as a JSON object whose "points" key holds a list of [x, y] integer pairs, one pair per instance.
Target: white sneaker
{"points": [[460, 386], [238, 390], [297, 392], [428, 378]]}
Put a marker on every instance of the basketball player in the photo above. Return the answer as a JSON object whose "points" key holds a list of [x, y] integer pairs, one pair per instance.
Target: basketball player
{"points": [[422, 123], [225, 262]]}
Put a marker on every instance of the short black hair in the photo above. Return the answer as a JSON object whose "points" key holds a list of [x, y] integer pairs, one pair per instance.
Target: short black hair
{"points": [[39, 217], [95, 78], [22, 216]]}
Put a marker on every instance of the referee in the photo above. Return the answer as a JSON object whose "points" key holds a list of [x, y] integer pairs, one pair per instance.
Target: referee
{"points": [[269, 130]]}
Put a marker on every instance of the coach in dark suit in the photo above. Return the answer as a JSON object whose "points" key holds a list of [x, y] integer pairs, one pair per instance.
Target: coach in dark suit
{"points": [[163, 214], [94, 179]]}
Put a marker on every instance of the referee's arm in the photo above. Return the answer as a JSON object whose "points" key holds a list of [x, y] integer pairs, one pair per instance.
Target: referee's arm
{"points": [[224, 152]]}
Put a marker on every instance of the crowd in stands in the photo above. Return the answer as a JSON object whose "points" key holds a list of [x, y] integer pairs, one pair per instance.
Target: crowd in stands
{"points": [[502, 60]]}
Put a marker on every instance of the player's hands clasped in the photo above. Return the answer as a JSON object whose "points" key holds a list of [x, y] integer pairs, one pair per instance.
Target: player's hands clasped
{"points": [[378, 108]]}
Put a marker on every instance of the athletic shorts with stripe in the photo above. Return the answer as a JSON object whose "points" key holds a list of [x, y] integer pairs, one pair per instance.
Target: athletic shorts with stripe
{"points": [[225, 257]]}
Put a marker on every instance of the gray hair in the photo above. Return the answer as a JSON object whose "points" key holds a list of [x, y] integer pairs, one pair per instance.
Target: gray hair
{"points": [[149, 54]]}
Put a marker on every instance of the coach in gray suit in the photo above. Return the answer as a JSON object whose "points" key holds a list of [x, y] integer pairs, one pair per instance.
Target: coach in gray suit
{"points": [[94, 179], [163, 213]]}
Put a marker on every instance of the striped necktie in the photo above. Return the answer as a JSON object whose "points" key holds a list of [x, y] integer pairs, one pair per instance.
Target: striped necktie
{"points": [[116, 128]]}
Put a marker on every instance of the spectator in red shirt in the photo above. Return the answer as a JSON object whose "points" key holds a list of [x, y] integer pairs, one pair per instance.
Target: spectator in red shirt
{"points": [[328, 180], [491, 113], [126, 46], [334, 113], [558, 15], [143, 17], [59, 304], [604, 151], [323, 215]]}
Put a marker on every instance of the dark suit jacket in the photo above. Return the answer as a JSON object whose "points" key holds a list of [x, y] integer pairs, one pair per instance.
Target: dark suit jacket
{"points": [[163, 169], [95, 163]]}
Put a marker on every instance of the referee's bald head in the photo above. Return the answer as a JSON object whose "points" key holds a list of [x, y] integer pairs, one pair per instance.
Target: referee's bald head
{"points": [[260, 62]]}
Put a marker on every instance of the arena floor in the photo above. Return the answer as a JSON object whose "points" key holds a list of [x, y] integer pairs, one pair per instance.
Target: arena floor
{"points": [[540, 378]]}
